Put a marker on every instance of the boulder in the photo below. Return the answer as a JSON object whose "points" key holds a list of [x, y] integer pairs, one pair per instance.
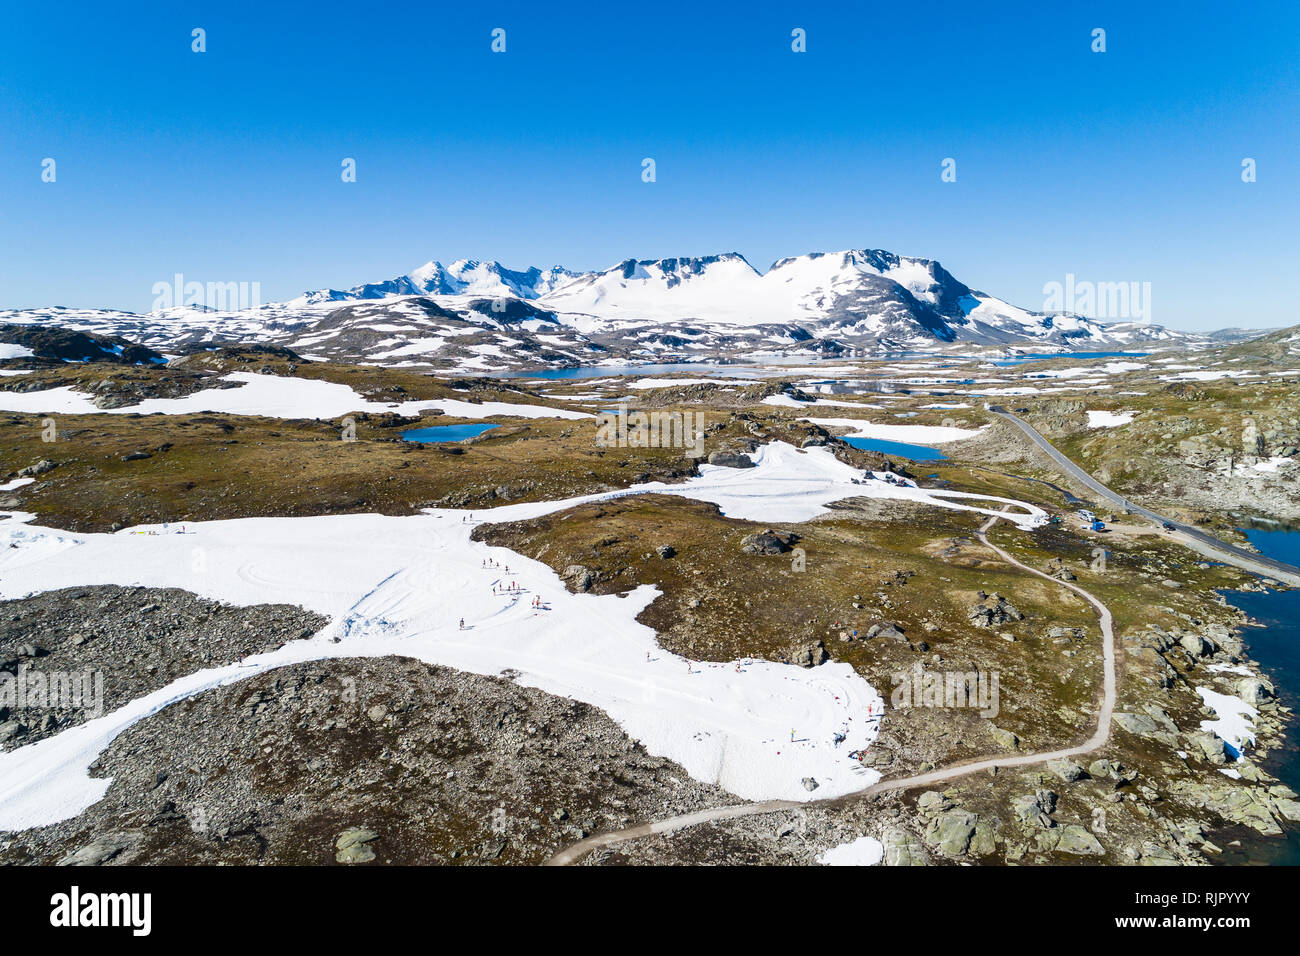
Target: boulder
{"points": [[1153, 854], [1254, 691], [40, 468], [1004, 738], [932, 801], [578, 577], [100, 850], [766, 542], [730, 459], [1210, 746], [993, 612], [810, 655], [903, 849], [1155, 723], [1078, 840], [1067, 770], [353, 845], [951, 832]]}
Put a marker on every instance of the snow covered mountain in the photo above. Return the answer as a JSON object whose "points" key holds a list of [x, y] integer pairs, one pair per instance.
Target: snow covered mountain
{"points": [[866, 297], [482, 315], [462, 277]]}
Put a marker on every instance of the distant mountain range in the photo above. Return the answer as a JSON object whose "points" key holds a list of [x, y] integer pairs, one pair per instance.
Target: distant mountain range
{"points": [[479, 316], [462, 277], [863, 294]]}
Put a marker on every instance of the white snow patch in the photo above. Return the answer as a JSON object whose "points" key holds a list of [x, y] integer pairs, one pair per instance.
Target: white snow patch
{"points": [[273, 396], [1240, 669], [1105, 419], [672, 382], [864, 851], [1234, 718], [916, 434]]}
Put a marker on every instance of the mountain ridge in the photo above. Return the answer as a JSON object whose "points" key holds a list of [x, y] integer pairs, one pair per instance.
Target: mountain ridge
{"points": [[480, 315]]}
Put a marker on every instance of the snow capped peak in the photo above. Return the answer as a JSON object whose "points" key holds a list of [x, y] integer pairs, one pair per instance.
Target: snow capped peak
{"points": [[852, 295], [725, 287], [471, 277]]}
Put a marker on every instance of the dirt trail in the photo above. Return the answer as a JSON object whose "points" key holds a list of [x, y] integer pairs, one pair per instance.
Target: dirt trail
{"points": [[1100, 736]]}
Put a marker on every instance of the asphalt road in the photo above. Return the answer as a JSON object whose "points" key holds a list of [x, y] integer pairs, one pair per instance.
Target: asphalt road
{"points": [[1194, 538]]}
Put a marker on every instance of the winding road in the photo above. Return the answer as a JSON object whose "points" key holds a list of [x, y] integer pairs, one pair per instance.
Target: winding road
{"points": [[1100, 736], [1191, 537]]}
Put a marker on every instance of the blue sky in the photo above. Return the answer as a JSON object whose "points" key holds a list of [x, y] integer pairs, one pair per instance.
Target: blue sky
{"points": [[225, 165]]}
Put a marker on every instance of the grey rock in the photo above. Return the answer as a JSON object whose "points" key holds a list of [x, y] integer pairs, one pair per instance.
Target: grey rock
{"points": [[11, 730], [730, 459], [1004, 738], [932, 801], [578, 577], [951, 832], [1078, 840], [353, 845], [40, 468], [903, 849], [811, 655], [766, 542], [1067, 770], [100, 851], [1254, 691], [1210, 746]]}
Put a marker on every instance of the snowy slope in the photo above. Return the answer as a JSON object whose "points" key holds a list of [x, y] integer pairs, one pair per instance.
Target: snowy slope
{"points": [[475, 315], [462, 277]]}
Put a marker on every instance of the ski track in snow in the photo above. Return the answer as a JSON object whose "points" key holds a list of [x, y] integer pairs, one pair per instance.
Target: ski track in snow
{"points": [[399, 585]]}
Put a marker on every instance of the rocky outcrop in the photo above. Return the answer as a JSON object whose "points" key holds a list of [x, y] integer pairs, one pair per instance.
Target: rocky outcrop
{"points": [[993, 610], [578, 577], [354, 845], [952, 831], [902, 848], [767, 542], [731, 459]]}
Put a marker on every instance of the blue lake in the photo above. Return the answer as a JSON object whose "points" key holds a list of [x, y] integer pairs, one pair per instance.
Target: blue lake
{"points": [[1277, 648], [705, 368], [897, 448], [445, 433], [1022, 359]]}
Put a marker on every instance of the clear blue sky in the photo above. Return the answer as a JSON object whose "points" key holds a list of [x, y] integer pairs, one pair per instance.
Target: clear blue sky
{"points": [[224, 166]]}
